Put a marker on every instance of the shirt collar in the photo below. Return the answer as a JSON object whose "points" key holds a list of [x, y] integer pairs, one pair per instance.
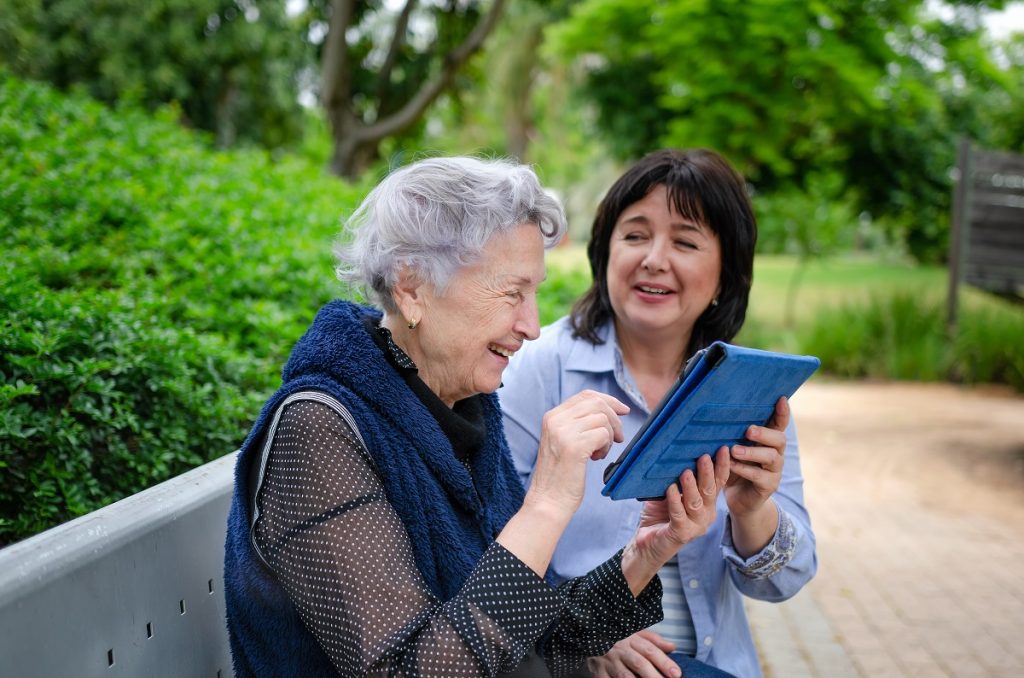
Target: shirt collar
{"points": [[604, 358], [397, 356], [586, 357]]}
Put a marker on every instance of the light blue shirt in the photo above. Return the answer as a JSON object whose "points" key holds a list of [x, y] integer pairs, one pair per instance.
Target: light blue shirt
{"points": [[714, 576]]}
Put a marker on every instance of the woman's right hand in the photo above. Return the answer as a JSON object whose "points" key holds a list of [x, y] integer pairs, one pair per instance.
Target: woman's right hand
{"points": [[644, 654], [580, 429]]}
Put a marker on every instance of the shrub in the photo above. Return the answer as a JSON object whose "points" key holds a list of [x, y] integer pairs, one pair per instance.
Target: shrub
{"points": [[903, 336], [564, 285], [990, 347], [151, 291], [99, 400]]}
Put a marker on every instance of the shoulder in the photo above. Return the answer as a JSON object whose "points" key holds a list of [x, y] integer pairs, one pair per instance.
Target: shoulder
{"points": [[318, 423]]}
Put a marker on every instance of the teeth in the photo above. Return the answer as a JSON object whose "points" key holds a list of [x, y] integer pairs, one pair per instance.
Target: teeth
{"points": [[651, 290], [500, 351]]}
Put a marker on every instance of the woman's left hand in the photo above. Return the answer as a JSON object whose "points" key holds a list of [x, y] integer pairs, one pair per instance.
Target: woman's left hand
{"points": [[756, 470], [682, 516]]}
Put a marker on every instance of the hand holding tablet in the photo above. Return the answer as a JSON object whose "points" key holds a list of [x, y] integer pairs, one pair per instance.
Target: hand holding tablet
{"points": [[723, 391]]}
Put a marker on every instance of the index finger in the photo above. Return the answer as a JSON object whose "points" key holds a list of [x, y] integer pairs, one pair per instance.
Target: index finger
{"points": [[610, 406], [617, 405]]}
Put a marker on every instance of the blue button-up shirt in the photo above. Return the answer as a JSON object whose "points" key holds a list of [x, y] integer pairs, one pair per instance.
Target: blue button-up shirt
{"points": [[714, 576]]}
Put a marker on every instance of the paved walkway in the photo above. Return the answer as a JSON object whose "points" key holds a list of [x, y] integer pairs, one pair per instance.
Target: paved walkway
{"points": [[917, 497]]}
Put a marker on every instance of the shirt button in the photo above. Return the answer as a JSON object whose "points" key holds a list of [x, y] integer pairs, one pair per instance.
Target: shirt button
{"points": [[694, 583], [707, 641]]}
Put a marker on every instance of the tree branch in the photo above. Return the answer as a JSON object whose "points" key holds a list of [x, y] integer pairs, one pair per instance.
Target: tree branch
{"points": [[397, 40], [431, 89], [336, 79]]}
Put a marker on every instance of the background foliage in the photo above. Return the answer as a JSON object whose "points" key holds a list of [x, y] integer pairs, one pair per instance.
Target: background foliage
{"points": [[871, 93], [151, 286], [233, 67], [151, 289]]}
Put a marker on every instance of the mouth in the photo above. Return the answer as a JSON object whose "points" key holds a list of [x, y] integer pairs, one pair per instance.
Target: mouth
{"points": [[500, 350], [648, 289]]}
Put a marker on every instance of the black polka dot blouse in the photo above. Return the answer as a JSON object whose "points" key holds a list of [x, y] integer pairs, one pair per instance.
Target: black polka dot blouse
{"points": [[326, 530]]}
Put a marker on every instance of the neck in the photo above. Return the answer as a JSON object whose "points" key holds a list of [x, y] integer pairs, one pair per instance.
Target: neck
{"points": [[654, 361], [408, 342]]}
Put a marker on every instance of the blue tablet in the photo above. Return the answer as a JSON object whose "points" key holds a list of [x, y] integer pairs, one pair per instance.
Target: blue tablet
{"points": [[723, 390]]}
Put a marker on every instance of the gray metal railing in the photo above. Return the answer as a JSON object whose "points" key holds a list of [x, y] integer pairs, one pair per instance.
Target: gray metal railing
{"points": [[133, 589]]}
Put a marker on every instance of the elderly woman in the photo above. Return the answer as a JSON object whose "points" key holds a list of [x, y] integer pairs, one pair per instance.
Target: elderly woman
{"points": [[671, 253], [378, 526]]}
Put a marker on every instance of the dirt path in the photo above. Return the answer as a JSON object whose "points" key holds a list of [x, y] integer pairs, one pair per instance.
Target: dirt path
{"points": [[945, 447], [916, 492]]}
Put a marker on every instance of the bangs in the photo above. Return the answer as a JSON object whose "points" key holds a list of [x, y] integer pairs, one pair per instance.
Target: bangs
{"points": [[683, 195]]}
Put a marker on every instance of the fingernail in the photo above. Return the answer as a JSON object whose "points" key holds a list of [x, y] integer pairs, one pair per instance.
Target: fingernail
{"points": [[739, 451]]}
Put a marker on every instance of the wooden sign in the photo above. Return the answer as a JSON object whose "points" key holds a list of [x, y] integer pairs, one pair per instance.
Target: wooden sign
{"points": [[987, 238]]}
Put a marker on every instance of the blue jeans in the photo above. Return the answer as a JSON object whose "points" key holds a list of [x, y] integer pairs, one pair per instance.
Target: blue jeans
{"points": [[693, 668]]}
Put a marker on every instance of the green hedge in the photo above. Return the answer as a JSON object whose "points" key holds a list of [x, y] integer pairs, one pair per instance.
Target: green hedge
{"points": [[151, 289], [902, 335]]}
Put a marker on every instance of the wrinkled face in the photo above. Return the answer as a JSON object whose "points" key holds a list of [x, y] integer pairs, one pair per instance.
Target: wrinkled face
{"points": [[467, 335], [663, 271]]}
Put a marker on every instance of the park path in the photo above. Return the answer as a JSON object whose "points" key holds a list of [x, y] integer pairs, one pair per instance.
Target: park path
{"points": [[916, 492]]}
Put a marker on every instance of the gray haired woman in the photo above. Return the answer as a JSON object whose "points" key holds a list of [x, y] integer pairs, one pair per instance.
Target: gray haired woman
{"points": [[377, 525]]}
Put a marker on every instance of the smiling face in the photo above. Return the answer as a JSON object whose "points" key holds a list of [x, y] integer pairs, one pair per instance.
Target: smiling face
{"points": [[466, 335], [663, 271]]}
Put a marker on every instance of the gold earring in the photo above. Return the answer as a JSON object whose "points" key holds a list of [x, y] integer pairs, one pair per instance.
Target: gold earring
{"points": [[412, 324]]}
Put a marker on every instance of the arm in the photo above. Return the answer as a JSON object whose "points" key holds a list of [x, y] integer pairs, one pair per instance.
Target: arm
{"points": [[342, 554], [340, 551], [768, 542], [665, 526]]}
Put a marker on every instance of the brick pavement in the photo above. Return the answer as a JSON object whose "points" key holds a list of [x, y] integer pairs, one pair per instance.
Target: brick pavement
{"points": [[917, 498]]}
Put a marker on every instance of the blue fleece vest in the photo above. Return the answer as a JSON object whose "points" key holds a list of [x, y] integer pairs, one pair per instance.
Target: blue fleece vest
{"points": [[450, 519]]}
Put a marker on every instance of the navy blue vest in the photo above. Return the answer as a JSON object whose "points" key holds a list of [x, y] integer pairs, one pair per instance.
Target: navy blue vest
{"points": [[450, 519]]}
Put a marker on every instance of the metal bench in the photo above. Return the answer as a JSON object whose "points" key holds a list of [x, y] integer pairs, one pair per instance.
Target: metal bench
{"points": [[133, 589]]}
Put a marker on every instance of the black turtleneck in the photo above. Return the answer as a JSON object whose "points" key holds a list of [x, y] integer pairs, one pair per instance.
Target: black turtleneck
{"points": [[463, 424]]}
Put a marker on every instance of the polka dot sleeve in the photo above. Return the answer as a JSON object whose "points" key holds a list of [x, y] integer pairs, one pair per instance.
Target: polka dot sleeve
{"points": [[599, 611], [339, 549]]}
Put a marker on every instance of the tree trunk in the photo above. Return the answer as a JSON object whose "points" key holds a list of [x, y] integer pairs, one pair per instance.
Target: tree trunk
{"points": [[224, 111], [519, 80], [356, 143], [352, 157]]}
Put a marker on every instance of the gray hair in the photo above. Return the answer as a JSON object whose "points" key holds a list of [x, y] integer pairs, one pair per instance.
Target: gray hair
{"points": [[436, 216]]}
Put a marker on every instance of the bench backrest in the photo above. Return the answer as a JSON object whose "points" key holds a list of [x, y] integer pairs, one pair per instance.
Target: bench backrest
{"points": [[134, 589]]}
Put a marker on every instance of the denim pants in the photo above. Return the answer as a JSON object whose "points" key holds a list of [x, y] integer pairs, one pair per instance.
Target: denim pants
{"points": [[693, 668]]}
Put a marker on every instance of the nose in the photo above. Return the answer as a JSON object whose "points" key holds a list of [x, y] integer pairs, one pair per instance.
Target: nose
{"points": [[528, 320], [655, 258]]}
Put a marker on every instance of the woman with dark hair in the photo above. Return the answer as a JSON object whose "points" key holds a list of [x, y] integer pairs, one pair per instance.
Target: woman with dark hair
{"points": [[671, 253]]}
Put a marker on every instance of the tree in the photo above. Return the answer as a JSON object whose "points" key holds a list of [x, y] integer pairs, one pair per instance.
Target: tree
{"points": [[791, 91], [370, 93], [231, 65]]}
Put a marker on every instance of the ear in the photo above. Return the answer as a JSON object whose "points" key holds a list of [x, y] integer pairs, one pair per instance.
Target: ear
{"points": [[408, 295]]}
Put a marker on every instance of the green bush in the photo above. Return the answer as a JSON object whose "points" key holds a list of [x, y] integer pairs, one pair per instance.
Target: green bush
{"points": [[561, 289], [903, 336], [990, 347], [151, 291], [99, 400]]}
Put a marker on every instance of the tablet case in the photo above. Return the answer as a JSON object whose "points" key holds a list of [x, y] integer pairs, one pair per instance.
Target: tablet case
{"points": [[723, 390]]}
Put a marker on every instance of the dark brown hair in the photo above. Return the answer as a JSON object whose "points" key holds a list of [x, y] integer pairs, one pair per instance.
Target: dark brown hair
{"points": [[701, 186]]}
